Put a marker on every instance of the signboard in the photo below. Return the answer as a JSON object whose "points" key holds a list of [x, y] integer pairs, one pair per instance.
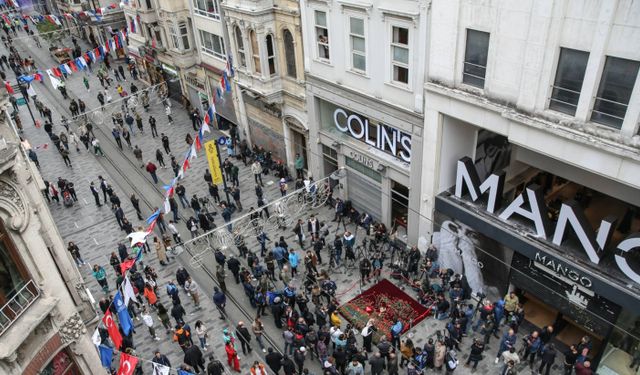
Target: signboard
{"points": [[382, 137], [564, 289], [530, 206], [214, 162], [222, 140]]}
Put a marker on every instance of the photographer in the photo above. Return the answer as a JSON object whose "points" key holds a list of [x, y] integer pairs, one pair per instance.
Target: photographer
{"points": [[442, 308]]}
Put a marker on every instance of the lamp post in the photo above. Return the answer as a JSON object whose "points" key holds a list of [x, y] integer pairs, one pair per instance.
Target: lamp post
{"points": [[25, 95]]}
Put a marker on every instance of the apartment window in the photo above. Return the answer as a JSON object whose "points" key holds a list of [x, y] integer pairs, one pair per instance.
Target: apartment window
{"points": [[475, 58], [322, 34], [568, 83], [616, 84], [184, 35], [207, 8], [271, 55], [289, 53], [240, 46], [212, 44], [148, 2], [175, 39], [400, 54], [357, 41], [255, 51], [13, 274]]}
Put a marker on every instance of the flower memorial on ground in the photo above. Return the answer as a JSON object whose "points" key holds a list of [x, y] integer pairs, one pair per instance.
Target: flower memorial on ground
{"points": [[383, 302]]}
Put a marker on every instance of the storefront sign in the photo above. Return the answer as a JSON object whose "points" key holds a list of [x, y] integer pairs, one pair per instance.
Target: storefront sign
{"points": [[384, 138], [530, 205], [192, 79], [362, 159], [562, 271], [170, 69]]}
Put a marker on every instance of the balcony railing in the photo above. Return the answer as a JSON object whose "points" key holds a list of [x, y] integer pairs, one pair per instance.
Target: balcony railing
{"points": [[18, 304]]}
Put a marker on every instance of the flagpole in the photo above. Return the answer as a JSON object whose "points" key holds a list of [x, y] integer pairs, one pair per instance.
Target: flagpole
{"points": [[26, 100]]}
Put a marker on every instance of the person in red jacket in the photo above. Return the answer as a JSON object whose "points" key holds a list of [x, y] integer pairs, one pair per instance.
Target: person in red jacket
{"points": [[232, 356], [151, 168]]}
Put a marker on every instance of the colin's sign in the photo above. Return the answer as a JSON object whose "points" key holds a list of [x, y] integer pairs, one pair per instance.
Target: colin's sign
{"points": [[384, 138], [530, 205]]}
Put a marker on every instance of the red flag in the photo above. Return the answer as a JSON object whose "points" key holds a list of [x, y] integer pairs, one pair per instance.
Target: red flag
{"points": [[198, 143], [127, 364], [72, 65], [185, 165], [153, 225], [106, 47], [112, 328], [7, 85], [124, 266], [97, 52], [57, 72]]}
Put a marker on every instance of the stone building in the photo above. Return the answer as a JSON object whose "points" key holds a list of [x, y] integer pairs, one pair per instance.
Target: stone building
{"points": [[43, 314]]}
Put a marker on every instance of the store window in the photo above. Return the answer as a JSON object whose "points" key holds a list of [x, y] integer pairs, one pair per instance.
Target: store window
{"points": [[621, 352], [399, 205], [240, 46], [400, 54], [330, 160], [255, 51], [207, 8], [289, 53], [611, 102], [357, 42], [566, 88], [271, 55], [475, 58], [322, 35], [355, 165], [212, 44], [13, 274]]}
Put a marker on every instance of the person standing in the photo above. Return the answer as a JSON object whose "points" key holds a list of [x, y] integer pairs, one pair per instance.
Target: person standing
{"points": [[137, 152], [160, 158], [95, 193], [533, 345], [85, 81], [101, 276], [274, 360], [256, 169], [232, 356], [570, 358], [220, 300], [193, 357], [507, 342], [201, 332], [235, 192], [152, 125], [299, 356], [192, 288], [476, 353], [75, 253], [161, 359], [258, 329], [148, 321], [151, 168], [165, 143], [548, 357], [299, 166], [244, 337], [167, 111], [135, 202]]}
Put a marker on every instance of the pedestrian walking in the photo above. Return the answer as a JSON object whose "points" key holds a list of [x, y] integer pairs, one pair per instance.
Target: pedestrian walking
{"points": [[65, 157], [165, 143], [232, 357], [85, 81], [220, 300], [194, 291], [167, 111], [101, 276], [243, 335], [160, 158], [97, 150], [256, 169], [75, 253], [258, 330], [152, 125]]}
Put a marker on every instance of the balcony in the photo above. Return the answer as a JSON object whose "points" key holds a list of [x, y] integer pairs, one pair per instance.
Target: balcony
{"points": [[269, 89], [17, 305]]}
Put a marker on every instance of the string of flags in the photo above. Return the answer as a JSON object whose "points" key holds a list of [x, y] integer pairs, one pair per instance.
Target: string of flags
{"points": [[97, 14]]}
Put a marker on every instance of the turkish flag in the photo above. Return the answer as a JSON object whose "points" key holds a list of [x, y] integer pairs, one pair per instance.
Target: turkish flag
{"points": [[127, 364], [112, 328], [124, 266]]}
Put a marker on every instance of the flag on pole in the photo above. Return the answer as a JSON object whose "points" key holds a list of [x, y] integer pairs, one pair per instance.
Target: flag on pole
{"points": [[25, 79], [198, 141], [55, 82], [114, 333], [124, 266], [183, 372], [72, 65], [229, 67], [106, 356], [153, 217], [127, 364], [123, 314], [127, 291], [227, 83], [167, 206], [159, 369], [37, 76], [95, 338]]}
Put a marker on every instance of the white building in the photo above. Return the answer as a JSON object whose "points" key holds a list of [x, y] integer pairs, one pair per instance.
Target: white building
{"points": [[365, 72], [545, 96], [43, 314]]}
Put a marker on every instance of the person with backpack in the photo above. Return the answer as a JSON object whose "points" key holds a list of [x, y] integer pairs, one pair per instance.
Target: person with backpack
{"points": [[182, 336], [451, 361]]}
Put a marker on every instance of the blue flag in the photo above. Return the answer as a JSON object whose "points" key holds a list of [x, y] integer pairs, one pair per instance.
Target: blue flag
{"points": [[123, 315], [26, 79], [153, 217], [183, 372], [106, 355]]}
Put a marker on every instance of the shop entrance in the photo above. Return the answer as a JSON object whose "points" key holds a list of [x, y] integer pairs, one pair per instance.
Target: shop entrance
{"points": [[566, 331], [299, 145]]}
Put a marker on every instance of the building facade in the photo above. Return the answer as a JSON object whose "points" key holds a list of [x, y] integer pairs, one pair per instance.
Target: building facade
{"points": [[95, 29], [43, 314], [364, 64], [161, 42], [531, 123], [266, 42]]}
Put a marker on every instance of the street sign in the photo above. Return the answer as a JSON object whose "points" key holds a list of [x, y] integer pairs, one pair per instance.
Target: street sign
{"points": [[222, 140], [21, 101]]}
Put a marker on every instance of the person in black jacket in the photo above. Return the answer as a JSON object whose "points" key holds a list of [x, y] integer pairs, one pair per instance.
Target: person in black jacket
{"points": [[214, 367], [288, 366], [177, 312], [548, 357], [476, 353], [274, 360], [243, 335], [161, 359], [193, 357]]}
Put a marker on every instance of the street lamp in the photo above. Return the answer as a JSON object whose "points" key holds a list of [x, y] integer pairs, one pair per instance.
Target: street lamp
{"points": [[25, 95]]}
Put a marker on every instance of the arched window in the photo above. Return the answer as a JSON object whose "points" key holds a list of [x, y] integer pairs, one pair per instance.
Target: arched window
{"points": [[240, 46], [255, 52], [271, 55], [289, 53]]}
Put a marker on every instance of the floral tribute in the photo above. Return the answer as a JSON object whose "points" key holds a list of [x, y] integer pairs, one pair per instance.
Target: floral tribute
{"points": [[384, 302]]}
